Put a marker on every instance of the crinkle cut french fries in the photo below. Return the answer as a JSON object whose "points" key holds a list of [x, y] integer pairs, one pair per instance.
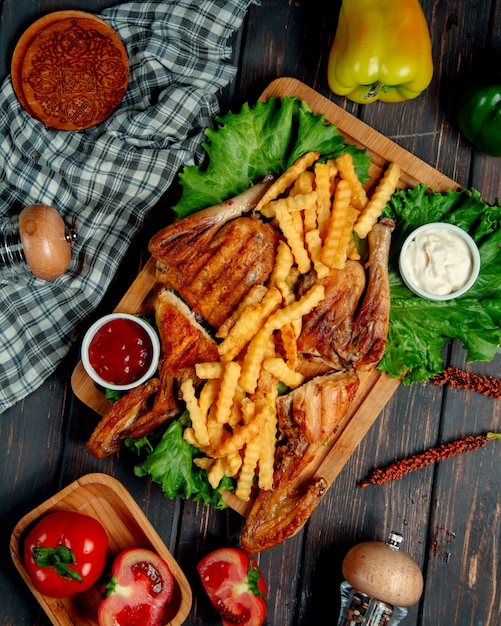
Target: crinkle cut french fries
{"points": [[317, 207]]}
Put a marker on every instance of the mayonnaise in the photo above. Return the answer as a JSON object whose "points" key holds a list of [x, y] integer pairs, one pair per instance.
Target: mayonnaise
{"points": [[439, 262]]}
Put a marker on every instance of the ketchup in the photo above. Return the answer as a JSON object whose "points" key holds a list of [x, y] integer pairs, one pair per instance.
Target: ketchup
{"points": [[120, 352]]}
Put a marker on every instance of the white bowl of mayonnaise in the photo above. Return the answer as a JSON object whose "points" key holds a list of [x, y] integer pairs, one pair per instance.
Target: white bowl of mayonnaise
{"points": [[439, 261]]}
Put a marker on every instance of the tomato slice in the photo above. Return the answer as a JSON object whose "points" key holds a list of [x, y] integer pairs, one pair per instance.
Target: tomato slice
{"points": [[235, 586], [140, 587]]}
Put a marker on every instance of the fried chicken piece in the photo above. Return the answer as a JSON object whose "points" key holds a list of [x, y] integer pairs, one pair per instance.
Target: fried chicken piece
{"points": [[327, 330], [319, 404], [370, 328], [136, 414], [165, 407], [349, 328], [308, 417], [107, 437], [184, 341], [212, 258], [280, 513]]}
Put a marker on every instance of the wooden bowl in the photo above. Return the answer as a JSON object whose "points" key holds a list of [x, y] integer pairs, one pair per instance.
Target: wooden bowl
{"points": [[105, 498]]}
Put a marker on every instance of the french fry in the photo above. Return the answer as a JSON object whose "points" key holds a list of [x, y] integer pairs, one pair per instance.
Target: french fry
{"points": [[255, 294], [241, 435], [248, 469], [352, 252], [314, 246], [334, 170], [245, 327], [234, 463], [217, 471], [373, 209], [298, 202], [296, 309], [207, 370], [294, 239], [288, 338], [323, 188], [292, 277], [303, 183], [227, 391], [204, 462], [283, 263], [253, 359], [268, 447], [287, 293], [344, 163], [216, 431], [247, 408], [208, 394], [285, 180], [198, 420], [279, 368], [297, 220], [236, 408], [190, 437], [255, 446], [334, 250], [241, 332]]}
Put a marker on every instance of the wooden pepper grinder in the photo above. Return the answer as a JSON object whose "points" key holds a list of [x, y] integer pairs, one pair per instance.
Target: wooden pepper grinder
{"points": [[37, 238], [380, 583]]}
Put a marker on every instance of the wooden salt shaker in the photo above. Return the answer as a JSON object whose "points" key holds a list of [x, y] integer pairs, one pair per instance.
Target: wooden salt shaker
{"points": [[38, 238]]}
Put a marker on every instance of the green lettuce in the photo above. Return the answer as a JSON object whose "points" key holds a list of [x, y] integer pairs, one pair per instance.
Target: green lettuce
{"points": [[263, 139], [420, 329], [169, 462]]}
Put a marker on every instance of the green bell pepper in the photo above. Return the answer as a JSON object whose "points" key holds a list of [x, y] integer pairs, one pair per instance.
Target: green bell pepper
{"points": [[479, 117]]}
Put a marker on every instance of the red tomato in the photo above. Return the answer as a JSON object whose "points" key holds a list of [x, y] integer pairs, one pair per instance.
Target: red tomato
{"points": [[235, 586], [65, 553], [140, 587]]}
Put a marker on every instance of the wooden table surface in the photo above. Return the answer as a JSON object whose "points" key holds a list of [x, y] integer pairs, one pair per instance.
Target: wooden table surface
{"points": [[450, 513]]}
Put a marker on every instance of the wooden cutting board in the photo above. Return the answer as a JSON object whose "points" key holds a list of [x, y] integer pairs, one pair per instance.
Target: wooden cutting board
{"points": [[375, 388]]}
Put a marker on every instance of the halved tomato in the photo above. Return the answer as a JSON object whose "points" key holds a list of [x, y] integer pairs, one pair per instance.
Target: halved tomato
{"points": [[140, 587], [235, 586]]}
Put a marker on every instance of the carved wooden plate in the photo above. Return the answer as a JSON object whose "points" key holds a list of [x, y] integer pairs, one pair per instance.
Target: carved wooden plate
{"points": [[70, 70], [105, 498]]}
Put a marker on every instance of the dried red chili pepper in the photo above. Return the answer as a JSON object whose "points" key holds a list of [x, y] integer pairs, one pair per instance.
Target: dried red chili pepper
{"points": [[459, 379], [395, 471]]}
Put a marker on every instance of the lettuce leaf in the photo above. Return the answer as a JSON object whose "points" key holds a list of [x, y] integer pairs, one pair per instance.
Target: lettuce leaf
{"points": [[170, 463], [266, 138], [420, 329]]}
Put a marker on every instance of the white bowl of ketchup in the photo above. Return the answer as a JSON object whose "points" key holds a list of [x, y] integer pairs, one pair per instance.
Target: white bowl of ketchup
{"points": [[120, 351]]}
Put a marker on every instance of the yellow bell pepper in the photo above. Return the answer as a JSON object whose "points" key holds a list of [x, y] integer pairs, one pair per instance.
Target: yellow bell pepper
{"points": [[381, 51]]}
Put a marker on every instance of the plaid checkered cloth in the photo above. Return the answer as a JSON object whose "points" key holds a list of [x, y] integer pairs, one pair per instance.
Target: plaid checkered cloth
{"points": [[104, 180]]}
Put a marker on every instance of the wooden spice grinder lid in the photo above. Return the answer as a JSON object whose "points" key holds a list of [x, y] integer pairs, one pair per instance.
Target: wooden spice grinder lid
{"points": [[379, 571], [70, 70], [44, 237]]}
